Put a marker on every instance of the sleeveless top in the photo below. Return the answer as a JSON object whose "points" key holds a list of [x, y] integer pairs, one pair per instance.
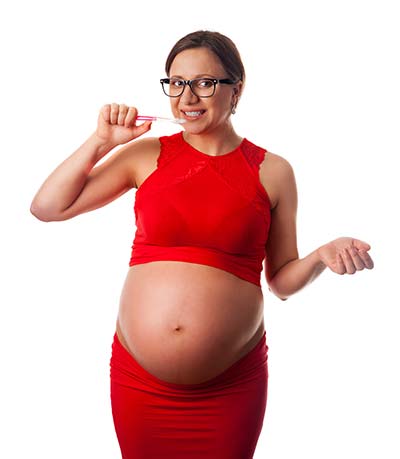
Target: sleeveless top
{"points": [[209, 210]]}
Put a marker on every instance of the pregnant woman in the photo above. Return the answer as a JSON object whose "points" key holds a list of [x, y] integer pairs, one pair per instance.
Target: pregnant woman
{"points": [[189, 356]]}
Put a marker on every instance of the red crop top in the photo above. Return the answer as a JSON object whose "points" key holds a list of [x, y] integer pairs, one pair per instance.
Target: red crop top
{"points": [[209, 210]]}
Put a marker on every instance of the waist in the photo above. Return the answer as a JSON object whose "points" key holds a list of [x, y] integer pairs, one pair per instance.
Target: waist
{"points": [[182, 282], [246, 267]]}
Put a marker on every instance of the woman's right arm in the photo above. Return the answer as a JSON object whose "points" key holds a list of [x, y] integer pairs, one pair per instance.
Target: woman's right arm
{"points": [[75, 186]]}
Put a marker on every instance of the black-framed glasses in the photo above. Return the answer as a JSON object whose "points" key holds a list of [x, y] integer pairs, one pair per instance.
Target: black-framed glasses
{"points": [[200, 87]]}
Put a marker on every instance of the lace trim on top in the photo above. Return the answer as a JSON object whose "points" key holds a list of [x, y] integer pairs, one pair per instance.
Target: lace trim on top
{"points": [[170, 147], [254, 155]]}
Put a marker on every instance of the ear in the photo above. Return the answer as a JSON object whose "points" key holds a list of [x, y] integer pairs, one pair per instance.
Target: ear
{"points": [[237, 89]]}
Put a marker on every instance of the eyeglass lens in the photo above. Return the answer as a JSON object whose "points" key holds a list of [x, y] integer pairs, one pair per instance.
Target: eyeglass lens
{"points": [[201, 87]]}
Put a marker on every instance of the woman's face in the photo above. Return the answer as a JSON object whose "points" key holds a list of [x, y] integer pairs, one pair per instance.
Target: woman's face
{"points": [[202, 114]]}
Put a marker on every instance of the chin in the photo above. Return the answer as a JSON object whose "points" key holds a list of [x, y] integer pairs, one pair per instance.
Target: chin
{"points": [[200, 127], [194, 130]]}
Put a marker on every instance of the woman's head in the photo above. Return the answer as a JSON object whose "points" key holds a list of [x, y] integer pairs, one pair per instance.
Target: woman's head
{"points": [[222, 46], [200, 56]]}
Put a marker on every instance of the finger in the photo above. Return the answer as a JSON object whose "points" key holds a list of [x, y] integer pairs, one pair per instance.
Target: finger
{"points": [[339, 265], [131, 117], [146, 126], [123, 110], [361, 245], [357, 260], [105, 111], [368, 262], [114, 113], [348, 262]]}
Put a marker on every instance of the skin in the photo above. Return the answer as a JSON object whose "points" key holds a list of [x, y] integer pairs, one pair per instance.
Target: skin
{"points": [[212, 132], [196, 310]]}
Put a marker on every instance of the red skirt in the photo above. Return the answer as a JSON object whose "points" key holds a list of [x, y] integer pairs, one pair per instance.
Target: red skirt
{"points": [[220, 418]]}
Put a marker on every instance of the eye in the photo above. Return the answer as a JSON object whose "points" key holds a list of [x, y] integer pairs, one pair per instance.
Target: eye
{"points": [[176, 83], [204, 83]]}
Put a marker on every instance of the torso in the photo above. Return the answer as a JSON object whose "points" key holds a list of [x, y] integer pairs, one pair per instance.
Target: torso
{"points": [[184, 322]]}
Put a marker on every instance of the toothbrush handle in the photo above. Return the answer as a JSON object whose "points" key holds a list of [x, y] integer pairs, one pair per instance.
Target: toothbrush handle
{"points": [[146, 118]]}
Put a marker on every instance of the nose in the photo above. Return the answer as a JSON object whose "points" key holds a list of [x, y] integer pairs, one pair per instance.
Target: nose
{"points": [[188, 97]]}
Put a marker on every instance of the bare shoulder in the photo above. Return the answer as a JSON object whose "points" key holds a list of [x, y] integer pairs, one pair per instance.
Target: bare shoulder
{"points": [[141, 147], [141, 157], [276, 174], [276, 162]]}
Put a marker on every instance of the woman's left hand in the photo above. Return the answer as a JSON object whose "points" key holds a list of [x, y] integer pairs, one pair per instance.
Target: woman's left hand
{"points": [[346, 255]]}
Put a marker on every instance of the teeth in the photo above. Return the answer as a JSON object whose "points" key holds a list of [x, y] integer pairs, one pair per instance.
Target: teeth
{"points": [[193, 113]]}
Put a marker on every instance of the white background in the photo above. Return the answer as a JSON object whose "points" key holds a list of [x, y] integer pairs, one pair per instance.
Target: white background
{"points": [[323, 92]]}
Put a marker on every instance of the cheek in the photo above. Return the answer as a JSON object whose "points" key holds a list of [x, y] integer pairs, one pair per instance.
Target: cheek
{"points": [[224, 101], [223, 106], [173, 104]]}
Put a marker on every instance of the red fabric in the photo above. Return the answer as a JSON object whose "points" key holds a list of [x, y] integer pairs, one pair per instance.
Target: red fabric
{"points": [[221, 418], [210, 210]]}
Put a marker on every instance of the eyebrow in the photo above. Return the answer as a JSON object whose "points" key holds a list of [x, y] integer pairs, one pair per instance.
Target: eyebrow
{"points": [[201, 75]]}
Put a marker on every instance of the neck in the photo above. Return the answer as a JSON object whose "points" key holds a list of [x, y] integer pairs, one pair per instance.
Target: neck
{"points": [[214, 143]]}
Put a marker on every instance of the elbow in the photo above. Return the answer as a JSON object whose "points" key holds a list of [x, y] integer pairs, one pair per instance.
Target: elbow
{"points": [[279, 294], [39, 216], [37, 212], [41, 213]]}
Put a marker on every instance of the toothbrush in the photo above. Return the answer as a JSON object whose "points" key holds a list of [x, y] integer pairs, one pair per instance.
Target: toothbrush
{"points": [[160, 118]]}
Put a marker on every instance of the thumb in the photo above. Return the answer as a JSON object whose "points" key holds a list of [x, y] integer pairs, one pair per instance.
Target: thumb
{"points": [[146, 126], [361, 245]]}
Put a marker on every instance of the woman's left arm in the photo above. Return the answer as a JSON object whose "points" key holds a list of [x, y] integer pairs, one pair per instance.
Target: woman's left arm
{"points": [[286, 273]]}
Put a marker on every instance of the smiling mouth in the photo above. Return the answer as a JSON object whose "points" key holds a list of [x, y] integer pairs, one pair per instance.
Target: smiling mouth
{"points": [[193, 113]]}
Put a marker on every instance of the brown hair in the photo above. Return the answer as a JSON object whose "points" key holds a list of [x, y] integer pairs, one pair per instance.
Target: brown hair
{"points": [[222, 46]]}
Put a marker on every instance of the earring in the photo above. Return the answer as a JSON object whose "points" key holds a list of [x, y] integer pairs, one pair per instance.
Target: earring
{"points": [[234, 102]]}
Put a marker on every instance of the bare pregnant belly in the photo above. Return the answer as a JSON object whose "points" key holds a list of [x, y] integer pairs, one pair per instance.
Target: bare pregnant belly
{"points": [[186, 323]]}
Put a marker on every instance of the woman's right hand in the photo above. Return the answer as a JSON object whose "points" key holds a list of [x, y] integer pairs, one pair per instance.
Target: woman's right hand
{"points": [[116, 124]]}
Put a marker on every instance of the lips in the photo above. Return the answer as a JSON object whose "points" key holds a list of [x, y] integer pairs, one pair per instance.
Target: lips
{"points": [[192, 114]]}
